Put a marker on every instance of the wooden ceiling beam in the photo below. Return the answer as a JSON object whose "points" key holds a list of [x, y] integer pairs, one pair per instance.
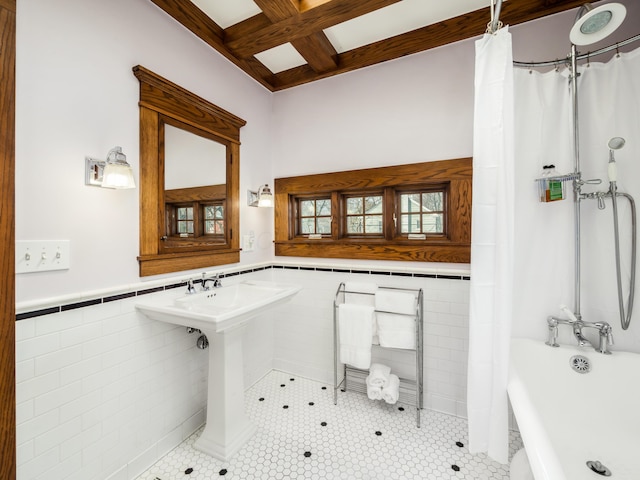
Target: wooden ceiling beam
{"points": [[318, 51], [250, 37], [316, 48], [459, 28], [200, 24]]}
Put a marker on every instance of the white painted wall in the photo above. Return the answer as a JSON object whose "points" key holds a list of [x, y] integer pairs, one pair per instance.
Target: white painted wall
{"points": [[77, 96]]}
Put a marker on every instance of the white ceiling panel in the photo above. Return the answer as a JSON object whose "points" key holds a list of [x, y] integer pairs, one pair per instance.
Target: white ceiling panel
{"points": [[228, 12], [281, 58], [396, 19]]}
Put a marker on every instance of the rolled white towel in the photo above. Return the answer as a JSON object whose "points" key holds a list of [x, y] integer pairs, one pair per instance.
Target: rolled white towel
{"points": [[391, 389], [378, 375], [374, 393]]}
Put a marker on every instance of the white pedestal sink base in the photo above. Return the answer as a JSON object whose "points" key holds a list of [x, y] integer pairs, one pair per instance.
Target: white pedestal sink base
{"points": [[227, 428]]}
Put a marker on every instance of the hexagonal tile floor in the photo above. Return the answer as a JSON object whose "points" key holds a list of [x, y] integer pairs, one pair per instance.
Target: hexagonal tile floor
{"points": [[303, 435]]}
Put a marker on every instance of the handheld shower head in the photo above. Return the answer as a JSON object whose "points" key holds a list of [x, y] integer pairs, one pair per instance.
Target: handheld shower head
{"points": [[594, 24], [616, 143]]}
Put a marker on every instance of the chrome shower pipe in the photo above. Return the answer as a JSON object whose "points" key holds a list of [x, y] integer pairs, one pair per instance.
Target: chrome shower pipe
{"points": [[577, 183]]}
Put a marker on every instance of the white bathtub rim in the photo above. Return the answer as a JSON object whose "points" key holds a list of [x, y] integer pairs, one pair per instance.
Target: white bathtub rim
{"points": [[543, 460], [544, 444]]}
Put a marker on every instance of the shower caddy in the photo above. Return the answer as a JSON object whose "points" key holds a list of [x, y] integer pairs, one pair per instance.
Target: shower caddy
{"points": [[356, 373]]}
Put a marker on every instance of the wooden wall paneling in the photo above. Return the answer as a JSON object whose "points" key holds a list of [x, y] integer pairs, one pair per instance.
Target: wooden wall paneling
{"points": [[7, 241]]}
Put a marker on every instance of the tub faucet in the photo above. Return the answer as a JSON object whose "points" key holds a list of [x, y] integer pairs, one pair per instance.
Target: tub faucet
{"points": [[604, 330], [577, 332], [605, 333]]}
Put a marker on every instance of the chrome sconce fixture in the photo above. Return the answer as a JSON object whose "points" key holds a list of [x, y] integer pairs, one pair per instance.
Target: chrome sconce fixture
{"points": [[115, 172], [262, 198]]}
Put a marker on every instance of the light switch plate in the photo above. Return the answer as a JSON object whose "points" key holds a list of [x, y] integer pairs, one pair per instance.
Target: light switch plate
{"points": [[42, 255]]}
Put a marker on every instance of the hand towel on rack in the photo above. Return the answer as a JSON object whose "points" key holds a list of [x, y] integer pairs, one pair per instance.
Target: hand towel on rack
{"points": [[396, 317], [378, 374], [365, 295], [374, 392], [355, 324], [391, 390]]}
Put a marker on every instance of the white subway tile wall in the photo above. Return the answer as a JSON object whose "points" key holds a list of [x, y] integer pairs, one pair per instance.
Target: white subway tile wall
{"points": [[304, 333], [103, 392]]}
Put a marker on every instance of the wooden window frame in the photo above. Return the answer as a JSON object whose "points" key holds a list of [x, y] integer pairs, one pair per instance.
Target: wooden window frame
{"points": [[297, 227], [444, 188], [344, 216], [452, 247]]}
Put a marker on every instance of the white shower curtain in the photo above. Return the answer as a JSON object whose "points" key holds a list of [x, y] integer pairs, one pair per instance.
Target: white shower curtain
{"points": [[490, 303], [609, 106]]}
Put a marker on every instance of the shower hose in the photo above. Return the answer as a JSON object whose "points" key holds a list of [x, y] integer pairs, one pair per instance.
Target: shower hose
{"points": [[624, 319]]}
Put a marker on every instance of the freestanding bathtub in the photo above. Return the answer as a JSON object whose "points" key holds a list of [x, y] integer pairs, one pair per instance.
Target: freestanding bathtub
{"points": [[567, 418]]}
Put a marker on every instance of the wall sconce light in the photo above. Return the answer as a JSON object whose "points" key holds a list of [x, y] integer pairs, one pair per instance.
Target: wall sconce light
{"points": [[262, 198], [115, 172]]}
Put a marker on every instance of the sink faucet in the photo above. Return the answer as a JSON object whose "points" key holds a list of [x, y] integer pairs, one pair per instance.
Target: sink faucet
{"points": [[217, 283], [604, 329], [190, 288]]}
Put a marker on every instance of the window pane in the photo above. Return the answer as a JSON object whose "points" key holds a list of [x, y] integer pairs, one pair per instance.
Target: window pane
{"points": [[354, 206], [185, 227], [183, 213], [373, 204], [324, 225], [410, 223], [307, 225], [323, 207], [354, 224], [432, 223], [432, 202], [213, 211], [219, 227], [410, 202], [209, 227], [307, 208], [373, 223]]}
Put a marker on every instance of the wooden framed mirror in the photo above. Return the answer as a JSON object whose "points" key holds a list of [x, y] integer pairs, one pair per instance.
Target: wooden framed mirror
{"points": [[189, 179]]}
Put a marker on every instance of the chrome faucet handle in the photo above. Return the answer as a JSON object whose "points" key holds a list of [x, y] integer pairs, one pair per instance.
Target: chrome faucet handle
{"points": [[606, 338], [553, 332], [190, 288]]}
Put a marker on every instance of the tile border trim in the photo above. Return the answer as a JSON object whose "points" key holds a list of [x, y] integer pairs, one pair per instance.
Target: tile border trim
{"points": [[38, 312]]}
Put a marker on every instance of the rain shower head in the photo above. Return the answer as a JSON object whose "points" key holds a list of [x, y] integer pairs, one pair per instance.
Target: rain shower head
{"points": [[594, 24]]}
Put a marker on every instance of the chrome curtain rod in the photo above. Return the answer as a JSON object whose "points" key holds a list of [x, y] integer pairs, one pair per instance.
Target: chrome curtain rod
{"points": [[579, 57]]}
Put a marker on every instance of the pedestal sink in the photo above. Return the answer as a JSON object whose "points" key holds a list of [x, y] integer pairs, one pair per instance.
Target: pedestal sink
{"points": [[221, 314]]}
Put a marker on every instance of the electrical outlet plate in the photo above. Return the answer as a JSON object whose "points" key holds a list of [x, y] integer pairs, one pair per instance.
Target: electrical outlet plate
{"points": [[42, 255]]}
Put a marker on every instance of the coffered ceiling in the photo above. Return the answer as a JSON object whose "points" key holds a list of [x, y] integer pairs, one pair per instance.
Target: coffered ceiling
{"points": [[284, 43]]}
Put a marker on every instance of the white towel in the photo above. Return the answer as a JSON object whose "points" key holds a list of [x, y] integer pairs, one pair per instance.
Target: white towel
{"points": [[374, 392], [391, 390], [368, 289], [378, 374], [355, 323], [396, 331]]}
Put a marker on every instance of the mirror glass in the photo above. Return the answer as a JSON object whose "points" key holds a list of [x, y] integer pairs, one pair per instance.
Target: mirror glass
{"points": [[195, 190], [191, 160]]}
